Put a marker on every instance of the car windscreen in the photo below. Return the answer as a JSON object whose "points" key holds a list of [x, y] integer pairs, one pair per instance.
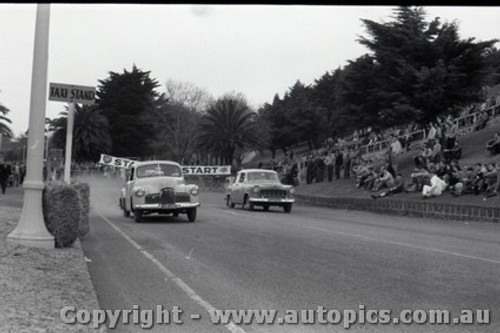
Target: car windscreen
{"points": [[265, 177], [158, 170]]}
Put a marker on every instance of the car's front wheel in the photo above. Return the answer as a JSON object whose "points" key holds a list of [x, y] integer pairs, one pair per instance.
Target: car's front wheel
{"points": [[191, 213], [230, 202], [287, 207], [138, 216], [247, 202]]}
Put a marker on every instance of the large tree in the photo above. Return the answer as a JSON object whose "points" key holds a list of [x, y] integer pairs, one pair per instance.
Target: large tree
{"points": [[91, 135], [422, 69], [127, 99], [188, 95], [228, 129], [5, 129], [175, 127]]}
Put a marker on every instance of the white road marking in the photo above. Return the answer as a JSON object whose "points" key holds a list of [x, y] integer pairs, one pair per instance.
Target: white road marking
{"points": [[456, 254], [178, 281]]}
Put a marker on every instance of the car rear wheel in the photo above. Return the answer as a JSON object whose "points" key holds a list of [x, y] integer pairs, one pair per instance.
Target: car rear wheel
{"points": [[191, 213], [287, 207]]}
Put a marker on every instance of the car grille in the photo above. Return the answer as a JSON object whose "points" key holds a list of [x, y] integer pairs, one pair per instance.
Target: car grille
{"points": [[273, 193], [178, 197], [167, 195], [182, 197]]}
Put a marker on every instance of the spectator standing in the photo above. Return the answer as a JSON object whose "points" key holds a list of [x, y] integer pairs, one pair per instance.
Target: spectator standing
{"points": [[5, 173], [22, 173], [437, 152], [339, 162], [451, 134], [330, 160], [347, 163], [396, 150], [431, 136]]}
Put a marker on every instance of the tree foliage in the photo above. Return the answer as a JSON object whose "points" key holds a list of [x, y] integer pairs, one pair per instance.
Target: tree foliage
{"points": [[5, 129], [415, 70], [127, 99], [228, 129], [175, 126], [91, 135]]}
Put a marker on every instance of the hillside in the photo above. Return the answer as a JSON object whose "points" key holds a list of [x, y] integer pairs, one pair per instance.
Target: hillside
{"points": [[473, 151]]}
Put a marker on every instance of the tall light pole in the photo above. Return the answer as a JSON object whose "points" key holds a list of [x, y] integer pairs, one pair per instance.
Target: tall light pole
{"points": [[31, 229]]}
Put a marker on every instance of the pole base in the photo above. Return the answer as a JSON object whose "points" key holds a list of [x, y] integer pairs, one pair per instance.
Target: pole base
{"points": [[31, 240]]}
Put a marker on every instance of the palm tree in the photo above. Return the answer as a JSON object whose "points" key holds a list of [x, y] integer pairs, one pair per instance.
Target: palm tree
{"points": [[5, 130], [91, 135], [228, 129]]}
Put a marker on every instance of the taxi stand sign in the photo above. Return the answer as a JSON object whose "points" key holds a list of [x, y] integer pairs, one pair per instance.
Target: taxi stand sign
{"points": [[71, 94]]}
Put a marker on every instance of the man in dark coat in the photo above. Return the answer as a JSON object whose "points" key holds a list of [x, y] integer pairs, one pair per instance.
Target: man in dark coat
{"points": [[5, 173], [339, 162]]}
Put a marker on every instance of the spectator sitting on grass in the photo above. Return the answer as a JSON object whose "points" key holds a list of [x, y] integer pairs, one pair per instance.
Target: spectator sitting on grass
{"points": [[436, 188], [369, 181], [496, 188], [490, 178], [465, 185], [450, 173], [419, 178], [398, 187], [493, 146], [424, 156], [385, 180], [479, 181], [362, 172]]}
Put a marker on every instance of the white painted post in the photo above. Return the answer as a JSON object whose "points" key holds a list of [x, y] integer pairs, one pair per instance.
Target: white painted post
{"points": [[31, 229], [69, 142]]}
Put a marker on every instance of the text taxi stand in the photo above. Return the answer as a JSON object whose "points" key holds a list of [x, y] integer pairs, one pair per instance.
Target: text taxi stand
{"points": [[71, 94]]}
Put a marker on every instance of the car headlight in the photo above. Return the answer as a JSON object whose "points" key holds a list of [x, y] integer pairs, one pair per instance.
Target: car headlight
{"points": [[292, 191], [255, 189], [194, 190], [139, 192]]}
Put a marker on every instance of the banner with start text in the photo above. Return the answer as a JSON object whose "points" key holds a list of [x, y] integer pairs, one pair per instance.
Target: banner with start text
{"points": [[196, 170]]}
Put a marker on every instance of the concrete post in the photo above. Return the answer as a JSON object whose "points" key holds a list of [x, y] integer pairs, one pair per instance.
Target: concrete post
{"points": [[31, 229], [69, 143]]}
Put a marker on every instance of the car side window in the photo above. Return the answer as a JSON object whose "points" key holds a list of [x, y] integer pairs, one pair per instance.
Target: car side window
{"points": [[242, 178]]}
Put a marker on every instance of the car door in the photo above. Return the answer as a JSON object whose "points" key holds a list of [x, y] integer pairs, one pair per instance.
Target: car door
{"points": [[238, 189], [129, 185]]}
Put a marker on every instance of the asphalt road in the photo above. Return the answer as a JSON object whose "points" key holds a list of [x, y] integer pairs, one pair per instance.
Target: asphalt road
{"points": [[313, 257]]}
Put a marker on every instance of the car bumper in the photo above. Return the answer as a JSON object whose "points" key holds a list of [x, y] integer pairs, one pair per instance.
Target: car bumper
{"points": [[271, 200], [176, 206]]}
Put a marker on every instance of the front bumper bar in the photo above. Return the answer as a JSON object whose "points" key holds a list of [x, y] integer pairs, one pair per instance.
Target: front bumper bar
{"points": [[175, 206], [271, 200]]}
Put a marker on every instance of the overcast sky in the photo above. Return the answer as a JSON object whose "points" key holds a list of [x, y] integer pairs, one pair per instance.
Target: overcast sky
{"points": [[258, 50]]}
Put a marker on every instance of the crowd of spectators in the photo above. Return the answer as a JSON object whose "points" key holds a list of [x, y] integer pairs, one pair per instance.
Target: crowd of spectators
{"points": [[437, 155]]}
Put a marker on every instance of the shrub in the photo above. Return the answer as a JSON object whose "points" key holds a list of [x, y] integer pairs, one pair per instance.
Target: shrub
{"points": [[62, 212], [83, 190]]}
